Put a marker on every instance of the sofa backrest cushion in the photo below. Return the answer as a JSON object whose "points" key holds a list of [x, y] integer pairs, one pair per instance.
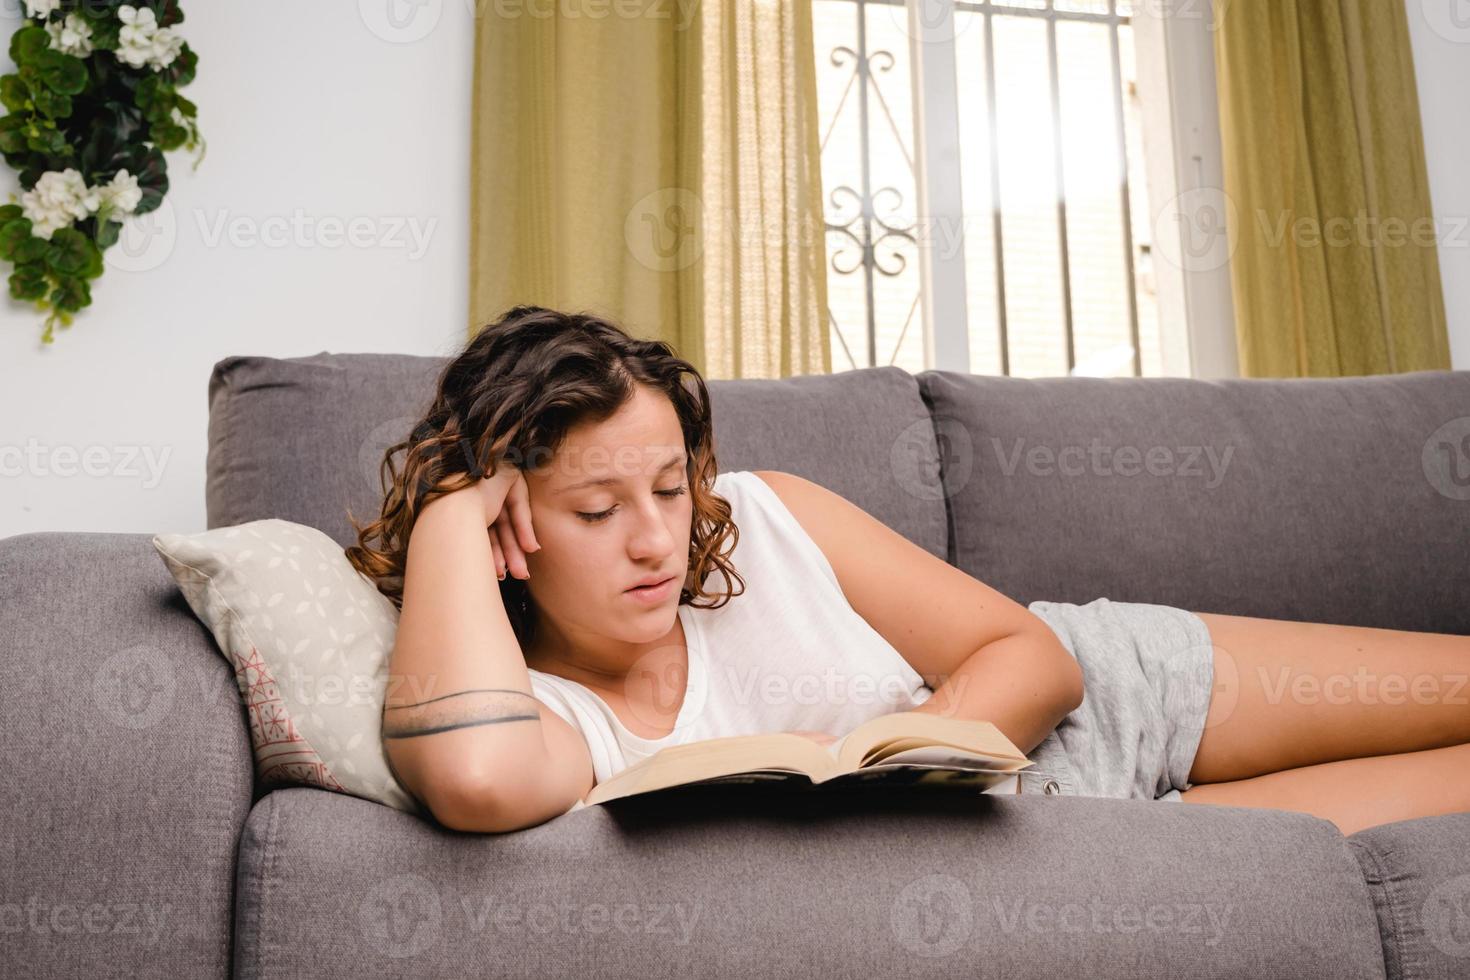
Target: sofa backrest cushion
{"points": [[1341, 500], [302, 438]]}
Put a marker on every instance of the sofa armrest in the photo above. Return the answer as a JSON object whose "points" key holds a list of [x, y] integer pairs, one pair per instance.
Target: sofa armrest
{"points": [[1419, 874], [684, 883], [126, 760]]}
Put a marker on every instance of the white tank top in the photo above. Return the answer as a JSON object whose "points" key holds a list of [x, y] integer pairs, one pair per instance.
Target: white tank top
{"points": [[789, 653]]}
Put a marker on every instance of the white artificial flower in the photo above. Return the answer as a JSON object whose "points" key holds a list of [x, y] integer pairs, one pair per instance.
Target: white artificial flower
{"points": [[140, 18], [58, 199], [72, 36], [166, 47], [41, 8], [135, 39], [122, 194]]}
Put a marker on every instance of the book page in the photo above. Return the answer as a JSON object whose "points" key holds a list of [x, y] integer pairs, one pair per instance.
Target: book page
{"points": [[943, 755], [888, 776], [878, 739]]}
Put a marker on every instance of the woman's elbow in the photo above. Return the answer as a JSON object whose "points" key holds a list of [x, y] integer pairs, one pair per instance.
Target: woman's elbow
{"points": [[1069, 681], [496, 804]]}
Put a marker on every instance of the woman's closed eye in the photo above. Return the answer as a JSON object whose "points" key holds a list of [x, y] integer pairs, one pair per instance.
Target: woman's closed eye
{"points": [[605, 514]]}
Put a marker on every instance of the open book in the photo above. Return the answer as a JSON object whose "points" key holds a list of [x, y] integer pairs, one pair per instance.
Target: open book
{"points": [[901, 748]]}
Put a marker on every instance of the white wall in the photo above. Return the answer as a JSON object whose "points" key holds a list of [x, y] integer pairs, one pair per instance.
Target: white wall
{"points": [[1439, 32], [314, 113]]}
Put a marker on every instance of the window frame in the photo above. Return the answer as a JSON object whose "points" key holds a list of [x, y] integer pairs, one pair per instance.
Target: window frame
{"points": [[1174, 45]]}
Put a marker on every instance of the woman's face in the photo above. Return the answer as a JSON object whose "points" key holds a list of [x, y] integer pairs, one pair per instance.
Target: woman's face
{"points": [[611, 509]]}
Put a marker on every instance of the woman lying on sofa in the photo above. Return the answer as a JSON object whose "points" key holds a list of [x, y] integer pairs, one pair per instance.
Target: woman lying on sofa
{"points": [[583, 588]]}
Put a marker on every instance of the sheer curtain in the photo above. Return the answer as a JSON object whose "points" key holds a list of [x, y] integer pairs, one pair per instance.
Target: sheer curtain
{"points": [[1335, 267], [657, 164]]}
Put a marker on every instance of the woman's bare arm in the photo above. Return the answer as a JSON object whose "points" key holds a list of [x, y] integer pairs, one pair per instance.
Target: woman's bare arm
{"points": [[985, 655], [461, 727]]}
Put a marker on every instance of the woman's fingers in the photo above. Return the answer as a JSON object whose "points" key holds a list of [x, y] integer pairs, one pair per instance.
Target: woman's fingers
{"points": [[515, 559], [519, 501], [495, 550]]}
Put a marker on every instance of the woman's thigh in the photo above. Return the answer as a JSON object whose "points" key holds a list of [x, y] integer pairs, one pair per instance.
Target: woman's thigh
{"points": [[1356, 793], [1289, 694]]}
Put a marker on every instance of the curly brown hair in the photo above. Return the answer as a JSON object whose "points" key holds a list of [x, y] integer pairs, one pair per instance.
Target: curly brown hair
{"points": [[512, 395]]}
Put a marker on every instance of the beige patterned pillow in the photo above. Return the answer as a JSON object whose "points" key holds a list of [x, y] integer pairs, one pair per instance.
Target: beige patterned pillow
{"points": [[309, 638]]}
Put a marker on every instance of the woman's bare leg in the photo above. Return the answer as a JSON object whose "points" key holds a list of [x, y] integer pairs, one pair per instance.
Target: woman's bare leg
{"points": [[1290, 694], [1356, 793]]}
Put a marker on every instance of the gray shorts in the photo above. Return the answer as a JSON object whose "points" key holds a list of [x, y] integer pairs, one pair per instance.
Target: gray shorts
{"points": [[1147, 675]]}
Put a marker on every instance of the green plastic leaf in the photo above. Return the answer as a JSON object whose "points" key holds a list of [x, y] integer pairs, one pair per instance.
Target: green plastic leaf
{"points": [[12, 234], [33, 249], [152, 172], [14, 93], [168, 136], [61, 72], [68, 253], [93, 267], [107, 235], [147, 91], [48, 141], [53, 104], [71, 294], [181, 72], [28, 282], [105, 28], [27, 43], [12, 136]]}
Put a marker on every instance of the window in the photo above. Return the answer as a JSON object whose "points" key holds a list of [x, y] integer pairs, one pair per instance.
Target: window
{"points": [[1017, 128]]}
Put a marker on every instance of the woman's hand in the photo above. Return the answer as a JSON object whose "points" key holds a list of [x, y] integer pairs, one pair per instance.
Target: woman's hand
{"points": [[821, 738], [507, 503]]}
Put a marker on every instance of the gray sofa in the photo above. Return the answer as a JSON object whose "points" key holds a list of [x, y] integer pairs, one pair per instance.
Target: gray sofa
{"points": [[134, 842]]}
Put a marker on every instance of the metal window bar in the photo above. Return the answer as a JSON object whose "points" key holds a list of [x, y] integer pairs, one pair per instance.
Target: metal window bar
{"points": [[872, 231], [989, 9]]}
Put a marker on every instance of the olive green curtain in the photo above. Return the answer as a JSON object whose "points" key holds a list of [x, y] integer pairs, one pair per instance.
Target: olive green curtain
{"points": [[1335, 270], [657, 164]]}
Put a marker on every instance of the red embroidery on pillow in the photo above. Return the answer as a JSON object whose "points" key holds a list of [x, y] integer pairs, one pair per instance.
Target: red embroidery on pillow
{"points": [[282, 755]]}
